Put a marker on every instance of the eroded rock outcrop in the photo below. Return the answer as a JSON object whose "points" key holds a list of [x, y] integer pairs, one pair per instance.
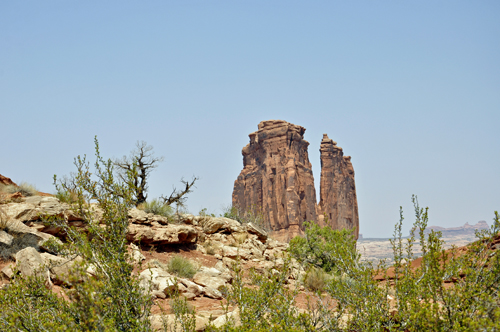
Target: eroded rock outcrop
{"points": [[338, 205], [277, 181], [6, 181]]}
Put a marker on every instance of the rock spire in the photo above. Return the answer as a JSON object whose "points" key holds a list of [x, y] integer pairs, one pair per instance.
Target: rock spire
{"points": [[277, 181]]}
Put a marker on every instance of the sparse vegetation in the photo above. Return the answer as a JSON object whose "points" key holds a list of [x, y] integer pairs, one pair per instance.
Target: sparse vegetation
{"points": [[181, 267], [316, 279], [448, 290], [67, 196], [253, 215], [138, 166], [156, 207], [24, 188], [113, 299]]}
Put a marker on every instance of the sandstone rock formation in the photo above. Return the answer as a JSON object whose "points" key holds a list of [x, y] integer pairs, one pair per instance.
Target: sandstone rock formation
{"points": [[6, 181], [277, 181], [338, 202]]}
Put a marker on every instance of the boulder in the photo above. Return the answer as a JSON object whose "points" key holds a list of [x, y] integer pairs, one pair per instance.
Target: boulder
{"points": [[219, 224], [156, 279], [135, 254], [232, 317], [234, 252], [191, 287], [158, 323], [8, 270], [29, 262], [169, 234], [207, 280], [212, 293], [60, 267], [5, 239], [254, 229]]}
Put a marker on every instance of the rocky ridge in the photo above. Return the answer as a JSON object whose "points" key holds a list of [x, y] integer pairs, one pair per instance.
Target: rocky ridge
{"points": [[219, 240]]}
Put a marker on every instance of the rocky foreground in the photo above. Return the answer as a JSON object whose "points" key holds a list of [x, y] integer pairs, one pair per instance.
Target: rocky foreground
{"points": [[212, 243]]}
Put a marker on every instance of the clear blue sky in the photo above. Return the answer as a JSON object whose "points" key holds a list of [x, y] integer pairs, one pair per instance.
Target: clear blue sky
{"points": [[409, 89]]}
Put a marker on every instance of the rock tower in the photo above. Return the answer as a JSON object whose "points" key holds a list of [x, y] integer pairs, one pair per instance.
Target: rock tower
{"points": [[277, 181]]}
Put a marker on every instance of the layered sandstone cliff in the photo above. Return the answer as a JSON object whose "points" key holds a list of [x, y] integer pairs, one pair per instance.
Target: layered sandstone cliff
{"points": [[338, 205], [277, 181]]}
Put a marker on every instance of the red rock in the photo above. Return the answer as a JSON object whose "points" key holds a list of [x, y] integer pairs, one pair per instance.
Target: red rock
{"points": [[277, 181], [6, 181], [338, 202]]}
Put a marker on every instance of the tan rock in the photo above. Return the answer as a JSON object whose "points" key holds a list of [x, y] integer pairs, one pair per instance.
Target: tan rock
{"points": [[158, 323], [30, 263], [5, 239], [8, 270], [168, 234], [232, 317], [60, 267], [156, 279], [254, 229]]}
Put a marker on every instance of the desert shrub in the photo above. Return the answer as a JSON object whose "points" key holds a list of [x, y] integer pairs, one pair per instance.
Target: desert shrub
{"points": [[184, 312], [253, 215], [325, 248], [156, 207], [316, 279], [110, 301], [67, 196], [181, 267], [269, 305], [204, 213], [24, 188], [451, 290], [28, 305]]}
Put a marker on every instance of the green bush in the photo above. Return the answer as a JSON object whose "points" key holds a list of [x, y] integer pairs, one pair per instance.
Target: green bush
{"points": [[316, 279], [325, 248], [181, 267], [24, 188], [269, 305], [450, 291], [156, 207], [67, 196], [112, 300]]}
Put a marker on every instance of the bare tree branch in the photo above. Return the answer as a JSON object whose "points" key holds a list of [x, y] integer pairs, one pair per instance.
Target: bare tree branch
{"points": [[178, 197], [140, 162]]}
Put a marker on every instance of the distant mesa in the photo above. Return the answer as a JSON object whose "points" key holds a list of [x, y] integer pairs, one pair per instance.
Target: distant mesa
{"points": [[277, 181], [462, 230]]}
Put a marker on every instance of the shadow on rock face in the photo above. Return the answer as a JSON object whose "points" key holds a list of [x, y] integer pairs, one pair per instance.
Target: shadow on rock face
{"points": [[19, 242]]}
